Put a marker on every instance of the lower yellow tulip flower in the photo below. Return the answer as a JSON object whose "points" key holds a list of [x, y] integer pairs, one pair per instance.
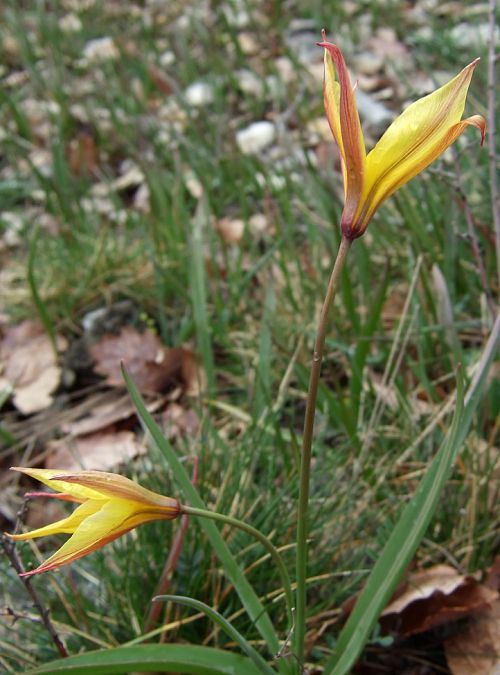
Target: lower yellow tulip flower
{"points": [[110, 505], [414, 140]]}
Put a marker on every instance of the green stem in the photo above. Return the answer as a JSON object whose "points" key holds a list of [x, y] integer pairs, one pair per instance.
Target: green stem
{"points": [[226, 626], [305, 465], [273, 552]]}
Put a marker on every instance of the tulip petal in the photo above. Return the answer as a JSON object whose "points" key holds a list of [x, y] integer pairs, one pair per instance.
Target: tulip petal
{"points": [[112, 486], [343, 117], [65, 526], [46, 476], [415, 139], [93, 532]]}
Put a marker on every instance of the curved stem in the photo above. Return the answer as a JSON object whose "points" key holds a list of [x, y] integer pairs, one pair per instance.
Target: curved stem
{"points": [[272, 550], [226, 626], [305, 465]]}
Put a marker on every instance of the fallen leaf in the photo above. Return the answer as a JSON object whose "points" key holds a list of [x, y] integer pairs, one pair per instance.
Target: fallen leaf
{"points": [[433, 597], [28, 366], [180, 421], [81, 153], [99, 451], [103, 415], [152, 366], [476, 648]]}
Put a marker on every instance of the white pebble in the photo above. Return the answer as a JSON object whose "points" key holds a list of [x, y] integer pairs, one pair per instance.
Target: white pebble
{"points": [[101, 49], [255, 137], [199, 94]]}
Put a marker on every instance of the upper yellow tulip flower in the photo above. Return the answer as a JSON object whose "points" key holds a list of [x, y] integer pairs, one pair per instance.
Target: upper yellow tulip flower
{"points": [[414, 140], [110, 505]]}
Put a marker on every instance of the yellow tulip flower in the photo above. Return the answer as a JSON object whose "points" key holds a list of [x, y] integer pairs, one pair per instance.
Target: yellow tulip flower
{"points": [[414, 140], [110, 505]]}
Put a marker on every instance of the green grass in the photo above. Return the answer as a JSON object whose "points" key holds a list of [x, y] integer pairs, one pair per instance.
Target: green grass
{"points": [[249, 310]]}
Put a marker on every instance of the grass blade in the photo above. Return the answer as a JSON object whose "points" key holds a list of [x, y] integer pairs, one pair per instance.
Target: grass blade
{"points": [[399, 550], [246, 593], [413, 522], [226, 626], [151, 658], [199, 295]]}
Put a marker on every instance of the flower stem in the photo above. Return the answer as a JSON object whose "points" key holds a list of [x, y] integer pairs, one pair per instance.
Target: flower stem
{"points": [[305, 465], [272, 550]]}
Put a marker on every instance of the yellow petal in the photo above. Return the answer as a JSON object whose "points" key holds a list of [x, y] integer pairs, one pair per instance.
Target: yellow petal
{"points": [[415, 139], [46, 476], [93, 532], [65, 526], [112, 485], [343, 117]]}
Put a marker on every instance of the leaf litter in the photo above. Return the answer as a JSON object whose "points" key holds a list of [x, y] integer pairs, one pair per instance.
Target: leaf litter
{"points": [[29, 366]]}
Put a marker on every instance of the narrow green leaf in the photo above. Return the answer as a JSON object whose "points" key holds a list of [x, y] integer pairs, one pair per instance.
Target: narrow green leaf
{"points": [[246, 593], [39, 303], [364, 343], [199, 294], [398, 551], [226, 626], [413, 522], [151, 658]]}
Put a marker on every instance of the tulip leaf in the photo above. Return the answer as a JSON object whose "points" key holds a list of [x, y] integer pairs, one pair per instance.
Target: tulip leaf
{"points": [[226, 626], [247, 595], [412, 524], [152, 658]]}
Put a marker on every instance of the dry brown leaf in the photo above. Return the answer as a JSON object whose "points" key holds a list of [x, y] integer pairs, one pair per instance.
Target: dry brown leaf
{"points": [[101, 451], [82, 154], [193, 374], [103, 415], [152, 366], [28, 366], [180, 421], [476, 648], [432, 597]]}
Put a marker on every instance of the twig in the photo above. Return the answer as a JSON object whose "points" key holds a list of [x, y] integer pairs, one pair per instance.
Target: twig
{"points": [[495, 201], [170, 564], [472, 231], [11, 553]]}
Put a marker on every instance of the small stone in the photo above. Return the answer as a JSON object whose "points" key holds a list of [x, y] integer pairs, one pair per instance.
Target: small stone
{"points": [[316, 71], [231, 229], [256, 137], [193, 184], [236, 16], [131, 176], [142, 199], [199, 94], [99, 50], [250, 83], [319, 127], [272, 180], [258, 224], [248, 44], [13, 224], [286, 69], [368, 63], [373, 113], [275, 86], [167, 59], [469, 35], [70, 23]]}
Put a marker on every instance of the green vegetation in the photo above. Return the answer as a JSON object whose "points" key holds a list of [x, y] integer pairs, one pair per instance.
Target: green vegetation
{"points": [[71, 129]]}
